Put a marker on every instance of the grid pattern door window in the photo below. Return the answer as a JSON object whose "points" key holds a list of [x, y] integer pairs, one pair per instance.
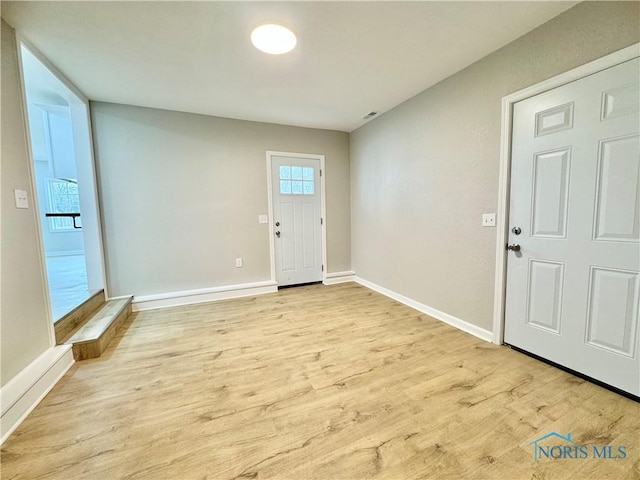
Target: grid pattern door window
{"points": [[296, 180]]}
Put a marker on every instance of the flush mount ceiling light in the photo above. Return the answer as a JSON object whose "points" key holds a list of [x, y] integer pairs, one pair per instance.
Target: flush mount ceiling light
{"points": [[273, 39]]}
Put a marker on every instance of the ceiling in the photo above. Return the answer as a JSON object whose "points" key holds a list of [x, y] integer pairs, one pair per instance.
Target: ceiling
{"points": [[351, 57]]}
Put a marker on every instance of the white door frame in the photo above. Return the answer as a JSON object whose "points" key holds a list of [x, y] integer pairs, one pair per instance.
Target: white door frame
{"points": [[272, 245], [502, 222], [78, 111]]}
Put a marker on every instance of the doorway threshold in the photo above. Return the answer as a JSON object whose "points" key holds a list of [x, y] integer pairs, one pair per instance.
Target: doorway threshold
{"points": [[611, 388], [69, 322], [300, 285]]}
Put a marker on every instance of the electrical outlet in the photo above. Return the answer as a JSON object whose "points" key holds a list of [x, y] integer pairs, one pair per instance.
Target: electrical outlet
{"points": [[21, 199], [238, 262], [488, 219]]}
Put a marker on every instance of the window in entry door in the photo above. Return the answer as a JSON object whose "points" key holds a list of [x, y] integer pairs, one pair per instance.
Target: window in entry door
{"points": [[296, 180]]}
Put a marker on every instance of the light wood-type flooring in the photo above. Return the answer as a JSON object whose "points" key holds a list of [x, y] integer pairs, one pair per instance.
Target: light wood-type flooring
{"points": [[314, 382]]}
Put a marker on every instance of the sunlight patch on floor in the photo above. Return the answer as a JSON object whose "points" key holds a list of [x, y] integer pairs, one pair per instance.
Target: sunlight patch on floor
{"points": [[67, 283]]}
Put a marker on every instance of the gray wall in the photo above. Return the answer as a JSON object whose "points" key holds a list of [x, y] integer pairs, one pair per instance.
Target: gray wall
{"points": [[24, 325], [423, 173], [181, 194]]}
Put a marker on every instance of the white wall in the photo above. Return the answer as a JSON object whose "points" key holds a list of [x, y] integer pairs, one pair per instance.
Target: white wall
{"points": [[423, 173], [181, 194], [24, 324]]}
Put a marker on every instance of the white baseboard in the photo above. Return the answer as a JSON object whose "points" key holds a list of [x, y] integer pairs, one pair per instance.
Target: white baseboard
{"points": [[467, 327], [24, 392], [119, 297], [189, 297], [64, 253], [339, 277]]}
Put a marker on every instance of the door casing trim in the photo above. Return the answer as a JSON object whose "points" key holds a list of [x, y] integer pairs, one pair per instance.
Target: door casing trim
{"points": [[323, 213], [504, 182], [22, 41]]}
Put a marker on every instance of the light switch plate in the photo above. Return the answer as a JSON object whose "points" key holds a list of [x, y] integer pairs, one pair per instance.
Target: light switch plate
{"points": [[238, 262], [488, 219], [263, 219], [21, 199]]}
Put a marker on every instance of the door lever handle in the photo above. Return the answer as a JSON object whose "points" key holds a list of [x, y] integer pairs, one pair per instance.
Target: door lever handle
{"points": [[278, 234], [514, 247]]}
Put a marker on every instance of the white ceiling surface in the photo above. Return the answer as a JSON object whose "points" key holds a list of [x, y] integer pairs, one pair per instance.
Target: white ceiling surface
{"points": [[351, 57]]}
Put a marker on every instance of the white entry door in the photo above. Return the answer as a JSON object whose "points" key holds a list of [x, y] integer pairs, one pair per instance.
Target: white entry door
{"points": [[297, 219], [573, 287]]}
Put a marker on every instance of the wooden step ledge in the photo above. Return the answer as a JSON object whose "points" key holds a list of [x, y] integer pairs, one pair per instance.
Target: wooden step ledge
{"points": [[65, 327], [94, 336]]}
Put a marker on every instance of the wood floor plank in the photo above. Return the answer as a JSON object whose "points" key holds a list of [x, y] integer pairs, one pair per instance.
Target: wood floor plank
{"points": [[314, 382]]}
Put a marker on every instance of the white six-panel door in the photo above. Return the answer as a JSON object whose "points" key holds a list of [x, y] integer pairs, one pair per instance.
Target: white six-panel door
{"points": [[573, 289], [297, 217]]}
